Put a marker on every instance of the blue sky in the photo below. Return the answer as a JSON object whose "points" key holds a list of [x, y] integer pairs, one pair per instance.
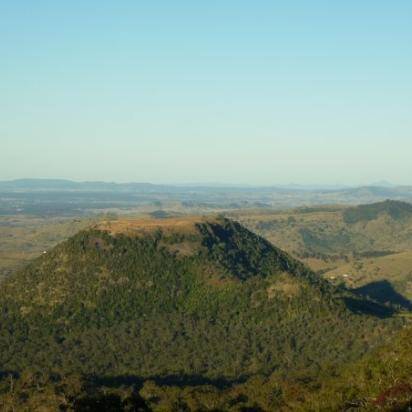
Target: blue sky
{"points": [[262, 92]]}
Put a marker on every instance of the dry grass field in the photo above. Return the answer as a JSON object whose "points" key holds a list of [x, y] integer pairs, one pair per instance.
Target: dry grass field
{"points": [[23, 238], [145, 224]]}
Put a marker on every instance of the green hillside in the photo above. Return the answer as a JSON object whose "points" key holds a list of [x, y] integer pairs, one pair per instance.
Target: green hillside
{"points": [[380, 381], [180, 301], [363, 213]]}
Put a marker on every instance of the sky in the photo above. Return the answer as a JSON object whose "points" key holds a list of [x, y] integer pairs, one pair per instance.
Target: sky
{"points": [[247, 92]]}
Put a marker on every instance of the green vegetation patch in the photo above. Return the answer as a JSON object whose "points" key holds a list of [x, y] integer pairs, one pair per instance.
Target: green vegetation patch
{"points": [[396, 210]]}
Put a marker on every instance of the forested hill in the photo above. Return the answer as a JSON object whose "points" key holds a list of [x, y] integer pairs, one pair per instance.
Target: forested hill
{"points": [[182, 301], [396, 210]]}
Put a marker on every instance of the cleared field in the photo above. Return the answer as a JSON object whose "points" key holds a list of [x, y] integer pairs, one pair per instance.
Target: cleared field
{"points": [[23, 238], [360, 272]]}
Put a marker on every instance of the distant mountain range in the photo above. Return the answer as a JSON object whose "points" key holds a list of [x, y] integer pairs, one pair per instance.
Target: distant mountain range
{"points": [[63, 184], [57, 197]]}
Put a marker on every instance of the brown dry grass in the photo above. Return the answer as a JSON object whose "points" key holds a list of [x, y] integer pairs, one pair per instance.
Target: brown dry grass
{"points": [[23, 238], [396, 268], [185, 224]]}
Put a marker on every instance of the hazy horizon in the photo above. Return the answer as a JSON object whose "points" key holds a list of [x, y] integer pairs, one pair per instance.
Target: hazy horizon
{"points": [[380, 183]]}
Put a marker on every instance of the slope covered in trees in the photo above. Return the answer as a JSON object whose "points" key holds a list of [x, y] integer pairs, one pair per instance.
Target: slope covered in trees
{"points": [[381, 380], [179, 302], [363, 213]]}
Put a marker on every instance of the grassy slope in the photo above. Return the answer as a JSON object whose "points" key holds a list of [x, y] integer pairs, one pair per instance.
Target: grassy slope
{"points": [[395, 267]]}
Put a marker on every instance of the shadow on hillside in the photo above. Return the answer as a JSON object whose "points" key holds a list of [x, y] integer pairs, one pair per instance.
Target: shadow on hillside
{"points": [[138, 381], [369, 307], [383, 292], [110, 403], [8, 374], [170, 380]]}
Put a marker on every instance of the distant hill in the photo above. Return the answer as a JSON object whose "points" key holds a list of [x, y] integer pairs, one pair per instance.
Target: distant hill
{"points": [[70, 185], [364, 213], [370, 194], [181, 300], [314, 194]]}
